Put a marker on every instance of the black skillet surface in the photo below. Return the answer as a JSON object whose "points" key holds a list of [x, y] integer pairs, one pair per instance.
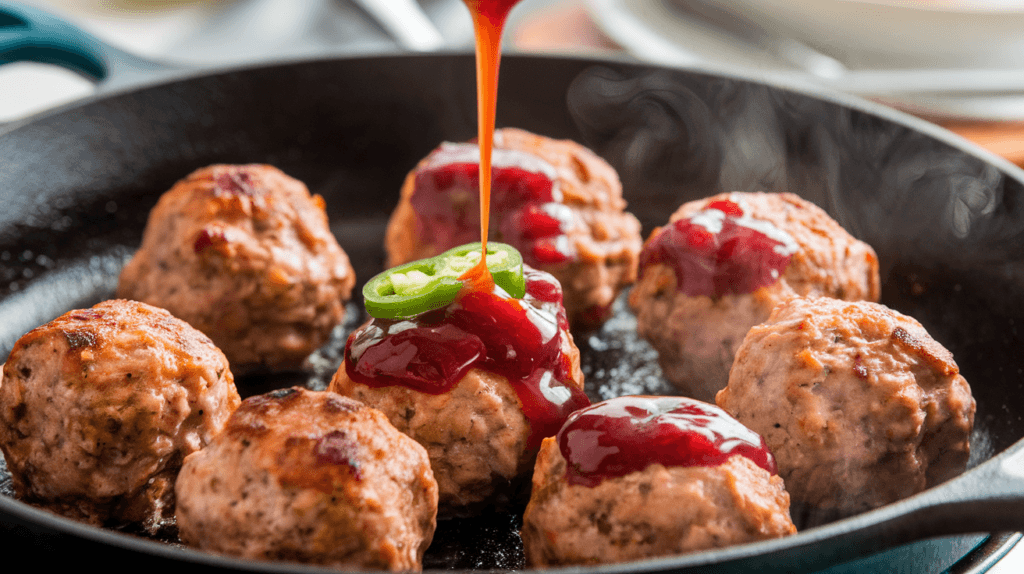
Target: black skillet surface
{"points": [[945, 218]]}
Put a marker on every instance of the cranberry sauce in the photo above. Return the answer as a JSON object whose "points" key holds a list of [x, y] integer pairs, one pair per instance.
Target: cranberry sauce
{"points": [[524, 199], [627, 434], [520, 339], [721, 250]]}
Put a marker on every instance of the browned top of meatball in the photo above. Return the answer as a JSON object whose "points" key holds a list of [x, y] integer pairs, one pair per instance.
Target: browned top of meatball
{"points": [[100, 405], [860, 406], [309, 440], [311, 477], [112, 333], [226, 214], [244, 253], [258, 200]]}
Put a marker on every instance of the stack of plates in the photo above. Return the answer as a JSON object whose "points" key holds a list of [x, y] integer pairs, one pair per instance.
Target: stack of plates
{"points": [[939, 57]]}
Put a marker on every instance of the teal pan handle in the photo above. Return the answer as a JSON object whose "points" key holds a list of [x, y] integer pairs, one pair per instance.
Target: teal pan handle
{"points": [[30, 34]]}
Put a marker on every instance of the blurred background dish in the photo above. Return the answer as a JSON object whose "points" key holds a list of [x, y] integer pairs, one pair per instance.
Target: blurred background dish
{"points": [[941, 59], [901, 34]]}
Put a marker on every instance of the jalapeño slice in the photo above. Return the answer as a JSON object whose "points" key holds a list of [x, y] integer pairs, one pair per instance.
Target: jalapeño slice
{"points": [[428, 284]]}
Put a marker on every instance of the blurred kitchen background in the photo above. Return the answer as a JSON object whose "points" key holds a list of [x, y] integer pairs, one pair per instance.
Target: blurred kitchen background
{"points": [[957, 63]]}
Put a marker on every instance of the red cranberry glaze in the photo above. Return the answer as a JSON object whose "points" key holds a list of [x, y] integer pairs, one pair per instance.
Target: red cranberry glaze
{"points": [[520, 339], [523, 197], [720, 250], [627, 434]]}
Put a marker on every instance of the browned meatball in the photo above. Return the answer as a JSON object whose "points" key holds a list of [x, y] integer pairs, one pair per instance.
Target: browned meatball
{"points": [[481, 445], [476, 434], [556, 201], [310, 477], [859, 405], [99, 407], [659, 511], [781, 246], [478, 437], [244, 254]]}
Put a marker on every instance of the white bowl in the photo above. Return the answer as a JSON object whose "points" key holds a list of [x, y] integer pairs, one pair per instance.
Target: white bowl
{"points": [[899, 33]]}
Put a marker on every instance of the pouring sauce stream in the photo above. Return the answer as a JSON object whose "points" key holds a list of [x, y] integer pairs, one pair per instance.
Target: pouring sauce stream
{"points": [[489, 18]]}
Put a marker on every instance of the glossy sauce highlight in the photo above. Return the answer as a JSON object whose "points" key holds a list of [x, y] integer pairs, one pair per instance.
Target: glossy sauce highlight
{"points": [[627, 434], [721, 250]]}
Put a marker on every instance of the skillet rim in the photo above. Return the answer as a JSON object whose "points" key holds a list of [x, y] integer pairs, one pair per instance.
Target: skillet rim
{"points": [[721, 557], [164, 78]]}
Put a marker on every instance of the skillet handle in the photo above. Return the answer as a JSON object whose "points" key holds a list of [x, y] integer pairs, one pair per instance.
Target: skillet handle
{"points": [[29, 34]]}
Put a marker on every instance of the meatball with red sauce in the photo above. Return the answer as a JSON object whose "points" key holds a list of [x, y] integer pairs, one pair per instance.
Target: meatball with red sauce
{"points": [[310, 477], [555, 201], [723, 263], [859, 404], [641, 477], [99, 407], [244, 254], [478, 383]]}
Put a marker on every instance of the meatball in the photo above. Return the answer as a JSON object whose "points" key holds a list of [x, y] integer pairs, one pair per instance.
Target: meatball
{"points": [[310, 477], [642, 477], [477, 393], [481, 447], [244, 254], [99, 407], [859, 404], [556, 201], [724, 263]]}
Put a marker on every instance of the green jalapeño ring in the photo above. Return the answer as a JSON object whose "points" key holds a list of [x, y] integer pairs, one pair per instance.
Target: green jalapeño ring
{"points": [[428, 284]]}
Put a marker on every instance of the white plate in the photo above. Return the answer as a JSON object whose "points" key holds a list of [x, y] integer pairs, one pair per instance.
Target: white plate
{"points": [[655, 31], [899, 33]]}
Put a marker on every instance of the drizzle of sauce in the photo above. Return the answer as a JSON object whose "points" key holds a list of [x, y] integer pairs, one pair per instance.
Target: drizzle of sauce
{"points": [[721, 250], [523, 192], [627, 434], [520, 339], [489, 18]]}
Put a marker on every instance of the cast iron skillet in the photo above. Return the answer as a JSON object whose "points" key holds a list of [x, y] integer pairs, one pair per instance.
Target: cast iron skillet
{"points": [[945, 218]]}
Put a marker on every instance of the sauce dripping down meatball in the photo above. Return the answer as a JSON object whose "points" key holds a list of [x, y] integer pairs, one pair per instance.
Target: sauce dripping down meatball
{"points": [[520, 339], [485, 327], [628, 434], [721, 250]]}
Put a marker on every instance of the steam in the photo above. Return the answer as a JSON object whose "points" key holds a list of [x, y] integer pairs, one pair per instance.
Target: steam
{"points": [[679, 136]]}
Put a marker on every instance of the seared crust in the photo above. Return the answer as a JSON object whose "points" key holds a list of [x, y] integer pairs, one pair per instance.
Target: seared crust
{"points": [[310, 477], [244, 254], [655, 512], [606, 238], [476, 433], [697, 336], [860, 406], [99, 407]]}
